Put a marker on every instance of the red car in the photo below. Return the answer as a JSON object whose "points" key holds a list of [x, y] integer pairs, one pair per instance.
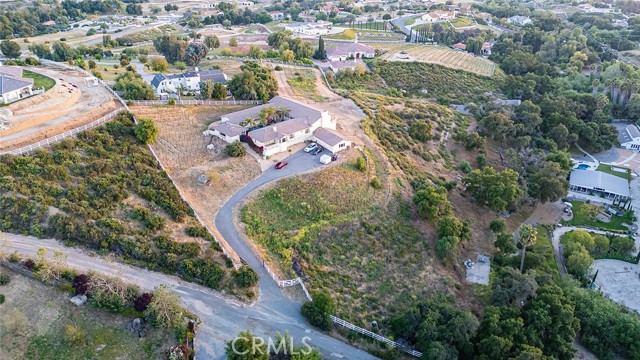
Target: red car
{"points": [[281, 164]]}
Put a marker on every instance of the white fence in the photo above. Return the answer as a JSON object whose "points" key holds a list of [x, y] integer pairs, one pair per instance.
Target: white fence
{"points": [[46, 142], [373, 335], [197, 102]]}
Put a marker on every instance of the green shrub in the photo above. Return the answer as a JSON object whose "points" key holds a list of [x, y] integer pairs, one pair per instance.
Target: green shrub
{"points": [[376, 183], [4, 279], [171, 101], [197, 232], [245, 276], [318, 310], [497, 226], [236, 149], [146, 131], [360, 164], [278, 68], [1, 299]]}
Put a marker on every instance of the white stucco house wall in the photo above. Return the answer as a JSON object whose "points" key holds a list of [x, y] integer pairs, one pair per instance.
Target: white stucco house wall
{"points": [[301, 125], [189, 81], [519, 20], [12, 85]]}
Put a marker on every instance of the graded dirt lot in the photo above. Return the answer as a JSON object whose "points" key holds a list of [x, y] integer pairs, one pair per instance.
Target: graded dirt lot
{"points": [[34, 317], [61, 108], [183, 151]]}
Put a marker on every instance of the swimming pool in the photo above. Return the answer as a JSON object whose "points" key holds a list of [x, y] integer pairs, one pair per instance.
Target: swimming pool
{"points": [[583, 167]]}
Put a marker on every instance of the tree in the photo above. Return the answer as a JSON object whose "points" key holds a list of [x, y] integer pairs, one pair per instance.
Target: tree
{"points": [[164, 309], [505, 243], [246, 347], [146, 131], [549, 183], [194, 53], [255, 52], [497, 226], [318, 310], [527, 235], [233, 41], [141, 303], [386, 17], [255, 83], [579, 262], [134, 9], [180, 65], [10, 49], [219, 92], [432, 202], [236, 149], [159, 64], [497, 190], [277, 39], [212, 41], [288, 56], [133, 87], [172, 48], [321, 53], [155, 9]]}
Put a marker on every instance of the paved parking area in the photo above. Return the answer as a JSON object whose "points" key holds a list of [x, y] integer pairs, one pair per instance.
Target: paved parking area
{"points": [[478, 272], [619, 281]]}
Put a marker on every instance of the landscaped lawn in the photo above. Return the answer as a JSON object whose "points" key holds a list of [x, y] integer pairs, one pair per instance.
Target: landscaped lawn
{"points": [[607, 169], [584, 215], [410, 21], [39, 80], [462, 22]]}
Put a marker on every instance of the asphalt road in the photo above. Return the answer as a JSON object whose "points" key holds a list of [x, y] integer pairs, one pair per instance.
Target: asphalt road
{"points": [[222, 317]]}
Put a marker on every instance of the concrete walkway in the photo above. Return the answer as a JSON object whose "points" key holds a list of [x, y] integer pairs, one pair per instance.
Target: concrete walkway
{"points": [[631, 157]]}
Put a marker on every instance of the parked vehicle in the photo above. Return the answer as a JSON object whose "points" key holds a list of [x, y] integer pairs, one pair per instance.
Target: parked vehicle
{"points": [[317, 151], [310, 147], [325, 159], [281, 164]]}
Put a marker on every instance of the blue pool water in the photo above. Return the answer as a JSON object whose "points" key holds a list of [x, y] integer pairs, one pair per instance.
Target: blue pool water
{"points": [[583, 166]]}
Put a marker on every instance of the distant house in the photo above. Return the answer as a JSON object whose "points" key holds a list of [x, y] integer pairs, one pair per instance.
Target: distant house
{"points": [[209, 5], [459, 46], [276, 15], [13, 86], [588, 8], [629, 137], [337, 66], [187, 81], [465, 8], [49, 23], [302, 123], [328, 9], [519, 20], [244, 4], [310, 28], [349, 50], [486, 48], [438, 16]]}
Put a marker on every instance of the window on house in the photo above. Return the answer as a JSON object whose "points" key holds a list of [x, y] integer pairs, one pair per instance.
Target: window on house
{"points": [[342, 145]]}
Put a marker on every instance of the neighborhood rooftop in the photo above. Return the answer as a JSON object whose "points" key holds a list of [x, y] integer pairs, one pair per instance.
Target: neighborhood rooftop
{"points": [[599, 181], [337, 49], [328, 136], [296, 110]]}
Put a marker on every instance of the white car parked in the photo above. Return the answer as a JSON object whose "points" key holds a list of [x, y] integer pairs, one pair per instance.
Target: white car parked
{"points": [[310, 147]]}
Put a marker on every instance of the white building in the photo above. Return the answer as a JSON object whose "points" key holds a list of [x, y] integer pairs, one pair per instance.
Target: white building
{"points": [[301, 124], [438, 16], [594, 182], [519, 20], [188, 81], [310, 28], [12, 85], [349, 50], [276, 15], [629, 137]]}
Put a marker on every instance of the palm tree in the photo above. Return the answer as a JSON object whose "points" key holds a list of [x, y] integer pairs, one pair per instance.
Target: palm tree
{"points": [[527, 236], [249, 122], [595, 84], [282, 112]]}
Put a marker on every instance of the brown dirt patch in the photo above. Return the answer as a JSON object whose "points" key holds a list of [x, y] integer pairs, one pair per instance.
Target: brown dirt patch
{"points": [[183, 151], [60, 109]]}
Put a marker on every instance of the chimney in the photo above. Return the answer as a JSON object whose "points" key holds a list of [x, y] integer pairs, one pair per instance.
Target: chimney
{"points": [[275, 129]]}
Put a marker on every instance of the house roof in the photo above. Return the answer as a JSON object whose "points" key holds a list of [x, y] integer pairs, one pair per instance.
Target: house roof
{"points": [[12, 71], [228, 129], [633, 131], [215, 75], [346, 48], [328, 136], [10, 84], [157, 79], [296, 110], [599, 180], [338, 65], [265, 134], [460, 46]]}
